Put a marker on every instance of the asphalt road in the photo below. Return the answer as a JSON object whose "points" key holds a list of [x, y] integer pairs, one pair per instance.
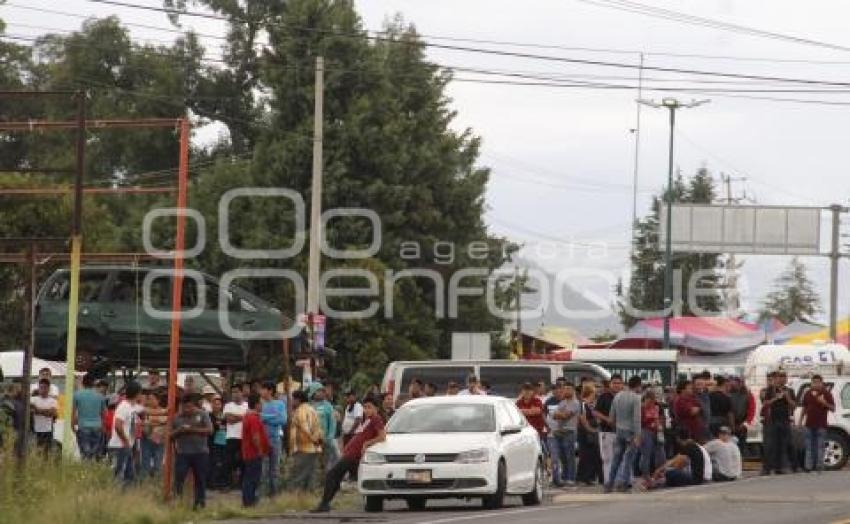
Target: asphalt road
{"points": [[806, 498]]}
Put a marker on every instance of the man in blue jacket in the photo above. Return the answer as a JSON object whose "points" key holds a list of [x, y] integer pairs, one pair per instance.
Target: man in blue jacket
{"points": [[273, 415]]}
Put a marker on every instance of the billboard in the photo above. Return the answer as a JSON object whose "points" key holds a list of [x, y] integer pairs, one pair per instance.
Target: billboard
{"points": [[763, 230]]}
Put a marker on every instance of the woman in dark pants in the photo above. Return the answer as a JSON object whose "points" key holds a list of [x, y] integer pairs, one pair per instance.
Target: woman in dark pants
{"points": [[589, 459], [218, 475]]}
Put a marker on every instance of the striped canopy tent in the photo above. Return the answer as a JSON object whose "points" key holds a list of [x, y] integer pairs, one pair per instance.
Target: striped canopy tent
{"points": [[842, 335], [710, 335], [795, 329]]}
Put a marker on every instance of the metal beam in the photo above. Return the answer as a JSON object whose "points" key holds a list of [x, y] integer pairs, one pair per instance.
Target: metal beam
{"points": [[91, 125], [42, 191]]}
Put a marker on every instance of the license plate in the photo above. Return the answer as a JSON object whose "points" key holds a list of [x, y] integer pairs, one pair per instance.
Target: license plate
{"points": [[419, 476]]}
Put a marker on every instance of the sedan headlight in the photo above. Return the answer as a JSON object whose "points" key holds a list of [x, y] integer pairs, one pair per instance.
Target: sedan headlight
{"points": [[374, 458], [473, 456]]}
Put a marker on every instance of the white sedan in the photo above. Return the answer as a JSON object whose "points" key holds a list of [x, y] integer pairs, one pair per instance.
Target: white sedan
{"points": [[454, 447]]}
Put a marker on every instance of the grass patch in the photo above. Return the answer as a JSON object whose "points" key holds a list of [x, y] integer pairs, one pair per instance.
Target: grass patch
{"points": [[52, 491]]}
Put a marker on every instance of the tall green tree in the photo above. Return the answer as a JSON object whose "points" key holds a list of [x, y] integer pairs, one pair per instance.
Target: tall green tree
{"points": [[794, 296], [645, 291], [389, 147]]}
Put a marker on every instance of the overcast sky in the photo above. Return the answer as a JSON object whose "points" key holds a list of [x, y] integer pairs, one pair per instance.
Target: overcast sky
{"points": [[563, 158]]}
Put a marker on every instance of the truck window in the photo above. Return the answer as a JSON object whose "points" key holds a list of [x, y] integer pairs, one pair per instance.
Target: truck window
{"points": [[845, 396], [124, 288], [440, 376], [91, 284], [505, 381], [571, 374]]}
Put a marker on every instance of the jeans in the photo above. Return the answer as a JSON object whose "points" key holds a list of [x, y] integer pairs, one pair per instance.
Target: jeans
{"points": [[334, 478], [814, 448], [650, 450], [271, 468], [151, 461], [606, 452], [251, 472], [675, 478], [623, 460], [198, 463], [777, 437], [234, 459], [331, 451], [124, 470], [88, 439], [303, 471], [563, 449]]}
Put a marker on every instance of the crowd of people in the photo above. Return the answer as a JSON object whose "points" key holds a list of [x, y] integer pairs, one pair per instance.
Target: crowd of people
{"points": [[615, 434], [234, 442], [687, 435]]}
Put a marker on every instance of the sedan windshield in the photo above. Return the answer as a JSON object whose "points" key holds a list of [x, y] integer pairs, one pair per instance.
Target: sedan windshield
{"points": [[443, 418]]}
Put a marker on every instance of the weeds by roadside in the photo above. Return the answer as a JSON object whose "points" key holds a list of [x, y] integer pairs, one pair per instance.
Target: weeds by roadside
{"points": [[51, 491]]}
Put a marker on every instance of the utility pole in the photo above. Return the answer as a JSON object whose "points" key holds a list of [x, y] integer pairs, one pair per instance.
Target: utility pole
{"points": [[74, 294], [672, 105], [518, 294], [26, 372], [316, 204], [637, 151], [834, 257], [733, 302]]}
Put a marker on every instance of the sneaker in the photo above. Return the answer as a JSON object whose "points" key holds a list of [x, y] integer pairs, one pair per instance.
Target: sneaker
{"points": [[607, 489], [321, 508], [570, 483]]}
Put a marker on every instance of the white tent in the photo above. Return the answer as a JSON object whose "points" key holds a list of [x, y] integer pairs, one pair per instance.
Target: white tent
{"points": [[12, 364]]}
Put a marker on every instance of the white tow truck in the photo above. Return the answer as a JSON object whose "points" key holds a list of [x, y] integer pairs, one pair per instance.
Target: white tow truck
{"points": [[801, 362]]}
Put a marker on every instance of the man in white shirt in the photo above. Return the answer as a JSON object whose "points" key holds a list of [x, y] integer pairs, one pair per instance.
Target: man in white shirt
{"points": [[473, 387], [46, 374], [352, 416], [233, 413], [44, 409], [124, 433], [725, 456]]}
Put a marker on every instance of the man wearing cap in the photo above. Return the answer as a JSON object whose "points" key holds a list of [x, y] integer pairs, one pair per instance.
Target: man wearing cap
{"points": [[273, 415], [206, 402], [725, 456], [327, 421]]}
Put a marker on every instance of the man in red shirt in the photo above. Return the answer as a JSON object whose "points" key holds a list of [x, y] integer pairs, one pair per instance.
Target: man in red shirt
{"points": [[369, 432], [817, 403], [255, 446], [532, 407], [688, 410]]}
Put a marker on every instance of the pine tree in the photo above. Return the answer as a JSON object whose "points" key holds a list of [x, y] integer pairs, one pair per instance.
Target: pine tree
{"points": [[794, 296], [646, 286]]}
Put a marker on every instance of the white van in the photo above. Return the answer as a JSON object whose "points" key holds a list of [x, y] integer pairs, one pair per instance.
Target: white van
{"points": [[504, 376]]}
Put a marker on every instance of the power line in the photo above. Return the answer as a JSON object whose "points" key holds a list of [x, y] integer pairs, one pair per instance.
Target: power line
{"points": [[482, 41], [128, 24], [513, 54], [677, 16]]}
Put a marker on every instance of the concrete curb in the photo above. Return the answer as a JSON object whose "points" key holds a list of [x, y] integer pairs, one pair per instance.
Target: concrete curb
{"points": [[668, 496]]}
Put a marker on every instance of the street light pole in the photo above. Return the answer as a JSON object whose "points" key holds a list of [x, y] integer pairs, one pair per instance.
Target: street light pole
{"points": [[672, 105]]}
